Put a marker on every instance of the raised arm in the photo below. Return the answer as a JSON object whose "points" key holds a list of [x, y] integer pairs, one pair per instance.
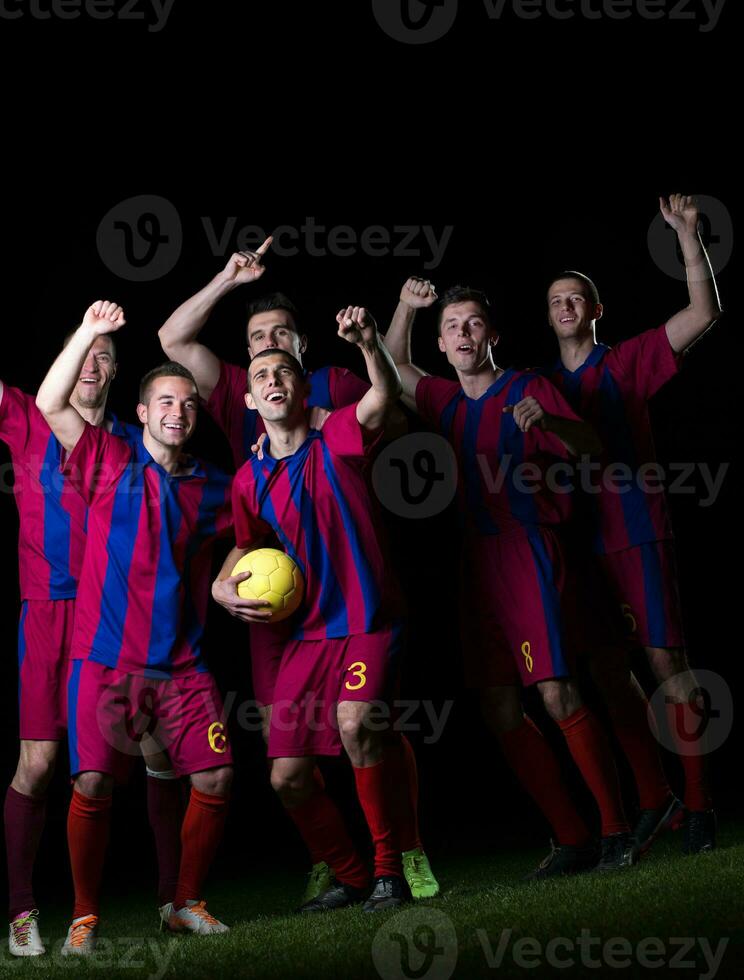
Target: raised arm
{"points": [[415, 295], [53, 398], [178, 335], [687, 326], [357, 326]]}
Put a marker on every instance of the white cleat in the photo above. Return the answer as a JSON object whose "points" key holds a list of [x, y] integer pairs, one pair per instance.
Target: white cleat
{"points": [[165, 912], [195, 918], [81, 936], [24, 938]]}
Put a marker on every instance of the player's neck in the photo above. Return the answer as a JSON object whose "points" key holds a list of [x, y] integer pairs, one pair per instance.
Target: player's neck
{"points": [[575, 350], [477, 383], [169, 457], [285, 439], [93, 415]]}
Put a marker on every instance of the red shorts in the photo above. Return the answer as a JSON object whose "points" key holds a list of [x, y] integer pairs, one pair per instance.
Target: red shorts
{"points": [[643, 580], [110, 711], [267, 646], [44, 639], [519, 613], [315, 675]]}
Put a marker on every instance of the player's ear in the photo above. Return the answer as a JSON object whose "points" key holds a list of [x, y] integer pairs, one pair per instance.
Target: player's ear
{"points": [[303, 344], [249, 403], [440, 344], [493, 338], [598, 310], [142, 413]]}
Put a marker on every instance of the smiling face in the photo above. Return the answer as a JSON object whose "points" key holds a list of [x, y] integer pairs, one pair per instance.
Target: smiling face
{"points": [[276, 389], [572, 309], [275, 329], [97, 373], [466, 337], [170, 413]]}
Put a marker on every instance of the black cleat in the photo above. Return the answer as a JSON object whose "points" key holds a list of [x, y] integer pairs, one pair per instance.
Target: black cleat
{"points": [[700, 832], [564, 859], [618, 851], [389, 892], [669, 816], [338, 896]]}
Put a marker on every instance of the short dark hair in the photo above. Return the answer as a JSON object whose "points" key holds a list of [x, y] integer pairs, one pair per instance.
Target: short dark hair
{"points": [[295, 364], [572, 274], [171, 369], [272, 301], [71, 334], [463, 294]]}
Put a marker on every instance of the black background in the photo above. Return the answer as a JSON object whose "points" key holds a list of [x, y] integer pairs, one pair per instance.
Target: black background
{"points": [[543, 144]]}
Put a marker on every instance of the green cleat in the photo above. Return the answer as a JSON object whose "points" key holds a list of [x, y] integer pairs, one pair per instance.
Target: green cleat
{"points": [[318, 881], [419, 875]]}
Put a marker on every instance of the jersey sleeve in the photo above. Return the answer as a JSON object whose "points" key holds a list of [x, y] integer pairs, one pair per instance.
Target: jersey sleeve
{"points": [[344, 436], [96, 463], [249, 527], [16, 410], [345, 387], [433, 395], [645, 362], [228, 397], [553, 402]]}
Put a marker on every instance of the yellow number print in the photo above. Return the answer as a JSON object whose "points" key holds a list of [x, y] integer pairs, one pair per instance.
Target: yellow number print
{"points": [[217, 737], [527, 656], [628, 614], [360, 672]]}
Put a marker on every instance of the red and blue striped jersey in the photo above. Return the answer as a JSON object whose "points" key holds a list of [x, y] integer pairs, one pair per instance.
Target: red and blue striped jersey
{"points": [[330, 387], [144, 586], [507, 478], [318, 503], [611, 390], [52, 517]]}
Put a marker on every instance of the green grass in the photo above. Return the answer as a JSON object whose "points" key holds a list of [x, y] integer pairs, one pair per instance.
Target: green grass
{"points": [[667, 897]]}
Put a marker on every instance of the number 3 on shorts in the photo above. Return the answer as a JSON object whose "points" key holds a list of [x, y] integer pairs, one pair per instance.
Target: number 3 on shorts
{"points": [[360, 672]]}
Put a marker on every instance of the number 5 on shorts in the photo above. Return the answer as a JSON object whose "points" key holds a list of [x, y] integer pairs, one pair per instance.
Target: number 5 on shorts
{"points": [[360, 672]]}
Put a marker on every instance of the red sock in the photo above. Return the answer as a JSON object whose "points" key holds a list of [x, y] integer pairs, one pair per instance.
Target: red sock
{"points": [[400, 762], [24, 824], [684, 721], [635, 727], [536, 767], [165, 811], [201, 834], [375, 796], [88, 826], [323, 830], [591, 753]]}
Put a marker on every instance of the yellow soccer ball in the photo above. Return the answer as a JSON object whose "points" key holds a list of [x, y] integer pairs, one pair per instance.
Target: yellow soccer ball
{"points": [[276, 578]]}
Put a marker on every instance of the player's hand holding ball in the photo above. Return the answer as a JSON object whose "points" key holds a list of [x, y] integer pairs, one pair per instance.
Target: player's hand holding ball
{"points": [[418, 293], [269, 576]]}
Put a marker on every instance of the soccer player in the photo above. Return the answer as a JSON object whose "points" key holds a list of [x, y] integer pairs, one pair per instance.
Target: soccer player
{"points": [[520, 626], [611, 388], [136, 646], [311, 490], [273, 323]]}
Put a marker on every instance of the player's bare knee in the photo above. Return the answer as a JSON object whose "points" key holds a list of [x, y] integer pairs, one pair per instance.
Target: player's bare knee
{"points": [[94, 784], [667, 662], [213, 782], [560, 697], [34, 774]]}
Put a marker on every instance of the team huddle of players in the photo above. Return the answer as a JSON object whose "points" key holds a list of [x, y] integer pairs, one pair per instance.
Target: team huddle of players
{"points": [[117, 525]]}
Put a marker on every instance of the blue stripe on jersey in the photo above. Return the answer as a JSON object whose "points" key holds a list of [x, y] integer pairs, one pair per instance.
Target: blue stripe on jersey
{"points": [[250, 421], [370, 592], [62, 585], [166, 602], [129, 496], [320, 388], [511, 448], [21, 644], [474, 487], [266, 509], [653, 587], [73, 693], [551, 602]]}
